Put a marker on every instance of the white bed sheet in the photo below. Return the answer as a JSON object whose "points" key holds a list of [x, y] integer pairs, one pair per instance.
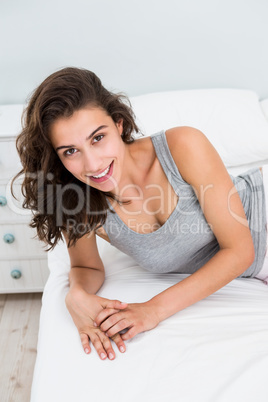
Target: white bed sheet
{"points": [[213, 351]]}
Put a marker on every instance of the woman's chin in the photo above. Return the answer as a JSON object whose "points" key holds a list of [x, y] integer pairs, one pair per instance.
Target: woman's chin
{"points": [[107, 187]]}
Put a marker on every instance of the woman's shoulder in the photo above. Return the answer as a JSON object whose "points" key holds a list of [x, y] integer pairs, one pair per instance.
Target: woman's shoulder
{"points": [[183, 135], [187, 146]]}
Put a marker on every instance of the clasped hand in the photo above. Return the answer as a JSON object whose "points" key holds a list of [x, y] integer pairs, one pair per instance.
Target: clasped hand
{"points": [[133, 319], [99, 320]]}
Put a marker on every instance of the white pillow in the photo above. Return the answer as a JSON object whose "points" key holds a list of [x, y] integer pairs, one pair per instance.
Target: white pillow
{"points": [[232, 119], [264, 106]]}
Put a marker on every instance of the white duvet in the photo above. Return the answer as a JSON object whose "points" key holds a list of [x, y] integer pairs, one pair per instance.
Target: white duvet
{"points": [[213, 351]]}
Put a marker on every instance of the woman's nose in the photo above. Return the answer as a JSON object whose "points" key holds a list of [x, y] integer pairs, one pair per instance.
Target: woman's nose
{"points": [[92, 163]]}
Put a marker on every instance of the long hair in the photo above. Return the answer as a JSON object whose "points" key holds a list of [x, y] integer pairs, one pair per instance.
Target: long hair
{"points": [[57, 199]]}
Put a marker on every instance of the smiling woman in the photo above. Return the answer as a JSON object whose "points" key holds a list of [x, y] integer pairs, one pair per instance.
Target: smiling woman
{"points": [[57, 105], [165, 200]]}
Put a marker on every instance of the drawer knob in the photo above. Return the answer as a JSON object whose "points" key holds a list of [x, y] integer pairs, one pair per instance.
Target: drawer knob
{"points": [[3, 201], [9, 238], [16, 274]]}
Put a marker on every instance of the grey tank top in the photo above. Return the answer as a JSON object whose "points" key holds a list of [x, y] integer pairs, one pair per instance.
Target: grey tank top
{"points": [[185, 242]]}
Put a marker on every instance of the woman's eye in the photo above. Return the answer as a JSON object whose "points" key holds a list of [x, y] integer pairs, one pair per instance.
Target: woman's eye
{"points": [[98, 138], [69, 152]]}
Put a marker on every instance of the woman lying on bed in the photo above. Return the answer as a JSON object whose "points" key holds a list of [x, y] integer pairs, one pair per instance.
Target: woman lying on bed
{"points": [[166, 200]]}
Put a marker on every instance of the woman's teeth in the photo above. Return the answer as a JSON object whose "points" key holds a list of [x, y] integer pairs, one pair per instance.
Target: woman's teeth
{"points": [[103, 173]]}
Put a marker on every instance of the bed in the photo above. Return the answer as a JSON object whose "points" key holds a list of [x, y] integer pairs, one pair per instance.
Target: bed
{"points": [[213, 351]]}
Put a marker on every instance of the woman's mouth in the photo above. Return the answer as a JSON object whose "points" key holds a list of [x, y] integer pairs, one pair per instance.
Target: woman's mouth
{"points": [[104, 175]]}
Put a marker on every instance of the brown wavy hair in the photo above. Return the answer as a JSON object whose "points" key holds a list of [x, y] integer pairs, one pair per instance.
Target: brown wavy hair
{"points": [[49, 189]]}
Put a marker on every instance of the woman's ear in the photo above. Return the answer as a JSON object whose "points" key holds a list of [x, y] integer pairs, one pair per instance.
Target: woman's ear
{"points": [[119, 126]]}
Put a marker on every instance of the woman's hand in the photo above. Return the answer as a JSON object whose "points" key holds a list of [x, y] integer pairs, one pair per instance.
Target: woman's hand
{"points": [[135, 318], [84, 307]]}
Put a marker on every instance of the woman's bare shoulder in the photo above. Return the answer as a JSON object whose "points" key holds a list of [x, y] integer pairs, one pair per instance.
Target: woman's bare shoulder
{"points": [[183, 135], [187, 145]]}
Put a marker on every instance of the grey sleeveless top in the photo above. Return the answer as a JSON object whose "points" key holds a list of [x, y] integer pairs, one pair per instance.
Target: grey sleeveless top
{"points": [[185, 242]]}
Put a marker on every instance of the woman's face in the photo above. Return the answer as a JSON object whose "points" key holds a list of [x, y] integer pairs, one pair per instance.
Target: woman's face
{"points": [[90, 146]]}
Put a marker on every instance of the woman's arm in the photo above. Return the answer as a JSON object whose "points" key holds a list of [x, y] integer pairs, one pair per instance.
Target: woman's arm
{"points": [[86, 277], [222, 268], [89, 279], [201, 167]]}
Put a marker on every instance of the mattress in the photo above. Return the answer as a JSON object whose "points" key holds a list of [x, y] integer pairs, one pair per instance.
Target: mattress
{"points": [[213, 351]]}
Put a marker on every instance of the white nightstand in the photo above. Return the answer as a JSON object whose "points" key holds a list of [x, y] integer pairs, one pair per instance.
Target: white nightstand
{"points": [[23, 261]]}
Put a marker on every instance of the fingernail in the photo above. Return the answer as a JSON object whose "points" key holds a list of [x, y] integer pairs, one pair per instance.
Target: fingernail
{"points": [[87, 350], [111, 356], [122, 349], [123, 303], [103, 356], [95, 325]]}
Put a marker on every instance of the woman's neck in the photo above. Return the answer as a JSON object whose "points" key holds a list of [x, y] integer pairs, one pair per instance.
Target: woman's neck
{"points": [[138, 162]]}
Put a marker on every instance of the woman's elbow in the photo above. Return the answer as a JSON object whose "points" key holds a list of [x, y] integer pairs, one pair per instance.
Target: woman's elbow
{"points": [[250, 256], [247, 254]]}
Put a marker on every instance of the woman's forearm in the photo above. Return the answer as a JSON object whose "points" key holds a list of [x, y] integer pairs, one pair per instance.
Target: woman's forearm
{"points": [[88, 279], [225, 266], [216, 273]]}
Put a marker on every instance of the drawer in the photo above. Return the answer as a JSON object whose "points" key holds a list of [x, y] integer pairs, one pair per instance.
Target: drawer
{"points": [[10, 208], [17, 240], [9, 158], [34, 274]]}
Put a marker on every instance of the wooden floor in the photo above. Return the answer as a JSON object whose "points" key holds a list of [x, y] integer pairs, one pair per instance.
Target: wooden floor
{"points": [[19, 321]]}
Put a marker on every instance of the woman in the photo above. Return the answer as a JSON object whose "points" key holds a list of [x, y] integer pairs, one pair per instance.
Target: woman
{"points": [[166, 200]]}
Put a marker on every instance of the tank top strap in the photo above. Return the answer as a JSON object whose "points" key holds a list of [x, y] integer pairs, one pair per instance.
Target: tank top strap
{"points": [[168, 164]]}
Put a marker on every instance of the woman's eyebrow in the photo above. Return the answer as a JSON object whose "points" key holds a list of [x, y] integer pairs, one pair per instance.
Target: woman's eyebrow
{"points": [[88, 138]]}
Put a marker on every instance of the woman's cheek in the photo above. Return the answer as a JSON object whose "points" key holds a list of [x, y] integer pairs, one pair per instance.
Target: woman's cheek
{"points": [[71, 167]]}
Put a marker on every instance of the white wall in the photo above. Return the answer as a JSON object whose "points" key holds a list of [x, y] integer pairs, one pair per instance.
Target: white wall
{"points": [[135, 46]]}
